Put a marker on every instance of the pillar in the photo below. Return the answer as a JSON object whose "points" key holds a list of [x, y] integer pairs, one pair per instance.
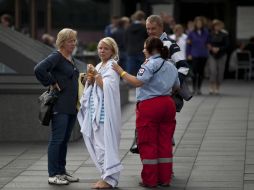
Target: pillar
{"points": [[17, 14], [115, 7], [48, 16], [33, 21]]}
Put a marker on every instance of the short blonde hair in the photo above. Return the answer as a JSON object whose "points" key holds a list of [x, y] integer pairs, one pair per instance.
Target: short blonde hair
{"points": [[64, 35], [111, 43]]}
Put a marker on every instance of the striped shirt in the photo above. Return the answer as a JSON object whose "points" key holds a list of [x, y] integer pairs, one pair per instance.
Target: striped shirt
{"points": [[177, 56], [92, 108]]}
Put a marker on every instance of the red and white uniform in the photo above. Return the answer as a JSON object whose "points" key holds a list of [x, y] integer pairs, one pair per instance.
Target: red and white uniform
{"points": [[155, 120]]}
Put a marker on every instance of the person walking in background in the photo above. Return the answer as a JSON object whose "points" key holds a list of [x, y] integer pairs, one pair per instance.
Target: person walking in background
{"points": [[168, 23], [180, 37], [119, 36], [60, 73], [218, 46], [134, 39], [197, 52], [155, 112], [109, 29], [100, 115]]}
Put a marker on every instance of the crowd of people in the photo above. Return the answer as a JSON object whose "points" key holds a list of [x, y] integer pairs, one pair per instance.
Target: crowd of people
{"points": [[99, 113], [155, 55], [204, 44]]}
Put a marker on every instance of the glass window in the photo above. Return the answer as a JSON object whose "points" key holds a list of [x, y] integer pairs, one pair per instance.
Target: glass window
{"points": [[81, 14]]}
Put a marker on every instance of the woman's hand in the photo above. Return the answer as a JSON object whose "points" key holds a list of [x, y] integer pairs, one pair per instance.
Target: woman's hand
{"points": [[98, 77], [117, 68], [98, 80], [90, 68], [90, 74], [90, 78], [55, 86]]}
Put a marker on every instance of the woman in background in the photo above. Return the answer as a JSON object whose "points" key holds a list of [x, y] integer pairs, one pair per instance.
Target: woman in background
{"points": [[197, 53], [218, 46]]}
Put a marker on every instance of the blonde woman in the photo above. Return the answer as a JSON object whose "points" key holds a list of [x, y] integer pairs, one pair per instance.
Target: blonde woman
{"points": [[59, 72], [218, 47], [100, 115]]}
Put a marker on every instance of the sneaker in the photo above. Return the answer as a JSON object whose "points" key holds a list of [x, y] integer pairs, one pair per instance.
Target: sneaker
{"points": [[147, 186], [57, 180], [70, 178]]}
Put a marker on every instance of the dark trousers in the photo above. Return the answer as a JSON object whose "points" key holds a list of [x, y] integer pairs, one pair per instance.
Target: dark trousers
{"points": [[198, 65], [61, 128], [134, 63]]}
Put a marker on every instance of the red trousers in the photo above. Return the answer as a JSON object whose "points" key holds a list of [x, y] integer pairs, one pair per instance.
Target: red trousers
{"points": [[155, 123]]}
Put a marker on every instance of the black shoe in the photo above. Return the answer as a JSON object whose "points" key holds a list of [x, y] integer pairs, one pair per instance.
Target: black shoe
{"points": [[147, 186], [134, 149], [164, 185]]}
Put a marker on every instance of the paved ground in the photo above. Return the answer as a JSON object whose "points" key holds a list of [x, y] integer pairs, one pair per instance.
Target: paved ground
{"points": [[214, 148]]}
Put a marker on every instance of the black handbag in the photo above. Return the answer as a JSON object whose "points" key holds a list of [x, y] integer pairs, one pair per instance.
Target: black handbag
{"points": [[183, 94], [178, 102], [46, 101]]}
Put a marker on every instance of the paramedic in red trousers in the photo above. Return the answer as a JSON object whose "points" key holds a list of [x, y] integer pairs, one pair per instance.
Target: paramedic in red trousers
{"points": [[156, 80]]}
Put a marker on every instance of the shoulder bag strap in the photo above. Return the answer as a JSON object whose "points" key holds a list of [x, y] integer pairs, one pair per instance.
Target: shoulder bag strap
{"points": [[159, 67]]}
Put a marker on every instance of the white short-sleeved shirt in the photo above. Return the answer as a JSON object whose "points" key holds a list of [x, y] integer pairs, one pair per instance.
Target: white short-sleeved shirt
{"points": [[158, 83]]}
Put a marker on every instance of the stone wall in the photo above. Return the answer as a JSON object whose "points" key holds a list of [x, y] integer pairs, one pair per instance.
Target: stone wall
{"points": [[19, 111]]}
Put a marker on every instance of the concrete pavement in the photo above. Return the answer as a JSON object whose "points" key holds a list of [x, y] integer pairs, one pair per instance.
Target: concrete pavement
{"points": [[214, 148]]}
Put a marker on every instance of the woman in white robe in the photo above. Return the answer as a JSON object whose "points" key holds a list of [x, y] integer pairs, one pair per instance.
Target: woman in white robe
{"points": [[100, 115]]}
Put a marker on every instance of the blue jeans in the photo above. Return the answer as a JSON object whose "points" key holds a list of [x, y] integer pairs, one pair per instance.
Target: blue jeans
{"points": [[61, 128]]}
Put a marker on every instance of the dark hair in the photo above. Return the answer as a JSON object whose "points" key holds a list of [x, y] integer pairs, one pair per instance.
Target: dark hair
{"points": [[154, 43], [139, 15]]}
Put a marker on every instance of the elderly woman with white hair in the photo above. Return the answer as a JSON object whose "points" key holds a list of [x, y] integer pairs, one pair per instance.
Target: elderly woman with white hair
{"points": [[59, 72], [100, 115]]}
